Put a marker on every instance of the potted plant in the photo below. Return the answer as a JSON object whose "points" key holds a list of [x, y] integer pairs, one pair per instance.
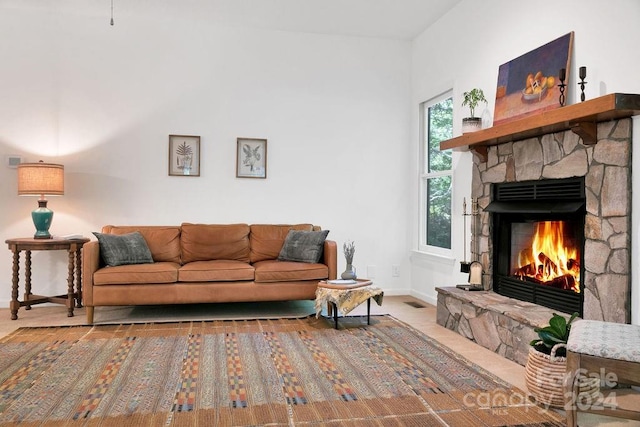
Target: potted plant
{"points": [[472, 99], [547, 361]]}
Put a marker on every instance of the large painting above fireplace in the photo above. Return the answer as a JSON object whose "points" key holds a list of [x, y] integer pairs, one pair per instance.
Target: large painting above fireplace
{"points": [[529, 83]]}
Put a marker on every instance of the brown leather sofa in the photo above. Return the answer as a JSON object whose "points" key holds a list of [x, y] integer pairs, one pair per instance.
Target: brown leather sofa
{"points": [[204, 263]]}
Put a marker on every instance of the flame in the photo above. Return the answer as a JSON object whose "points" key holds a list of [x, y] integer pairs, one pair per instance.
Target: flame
{"points": [[554, 259]]}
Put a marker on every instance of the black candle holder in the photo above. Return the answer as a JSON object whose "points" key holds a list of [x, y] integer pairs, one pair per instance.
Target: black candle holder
{"points": [[561, 76], [583, 74]]}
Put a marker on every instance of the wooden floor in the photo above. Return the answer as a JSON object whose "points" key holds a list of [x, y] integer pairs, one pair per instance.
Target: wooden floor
{"points": [[412, 311]]}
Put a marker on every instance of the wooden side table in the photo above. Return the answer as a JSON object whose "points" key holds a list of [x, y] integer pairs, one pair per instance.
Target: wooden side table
{"points": [[74, 287]]}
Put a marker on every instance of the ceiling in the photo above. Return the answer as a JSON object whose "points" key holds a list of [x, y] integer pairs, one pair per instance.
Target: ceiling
{"points": [[395, 19]]}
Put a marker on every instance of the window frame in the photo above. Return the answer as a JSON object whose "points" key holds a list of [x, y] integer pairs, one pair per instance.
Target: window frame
{"points": [[425, 176]]}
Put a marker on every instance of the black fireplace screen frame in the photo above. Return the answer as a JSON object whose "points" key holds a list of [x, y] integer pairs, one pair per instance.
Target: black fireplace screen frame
{"points": [[533, 201]]}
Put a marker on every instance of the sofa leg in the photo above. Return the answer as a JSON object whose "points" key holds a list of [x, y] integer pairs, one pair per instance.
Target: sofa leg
{"points": [[90, 314]]}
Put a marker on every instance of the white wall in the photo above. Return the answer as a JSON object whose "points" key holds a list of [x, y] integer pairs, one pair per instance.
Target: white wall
{"points": [[464, 50], [102, 100], [340, 115]]}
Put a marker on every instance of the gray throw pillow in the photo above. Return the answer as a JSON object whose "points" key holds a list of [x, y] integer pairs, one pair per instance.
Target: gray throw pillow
{"points": [[124, 249], [303, 246]]}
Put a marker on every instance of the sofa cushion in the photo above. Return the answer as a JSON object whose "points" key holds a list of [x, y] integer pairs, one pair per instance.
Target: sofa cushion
{"points": [[289, 271], [130, 248], [159, 272], [303, 246], [267, 239], [163, 241], [215, 271], [205, 242]]}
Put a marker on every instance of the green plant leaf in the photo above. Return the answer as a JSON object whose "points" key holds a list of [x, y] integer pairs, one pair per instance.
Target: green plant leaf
{"points": [[573, 317], [550, 330], [556, 332], [559, 325], [550, 339]]}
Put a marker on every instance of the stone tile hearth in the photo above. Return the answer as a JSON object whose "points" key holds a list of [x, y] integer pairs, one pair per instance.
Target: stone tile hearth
{"points": [[500, 324]]}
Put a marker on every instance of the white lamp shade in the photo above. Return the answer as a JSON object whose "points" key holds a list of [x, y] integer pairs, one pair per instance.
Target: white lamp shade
{"points": [[40, 179]]}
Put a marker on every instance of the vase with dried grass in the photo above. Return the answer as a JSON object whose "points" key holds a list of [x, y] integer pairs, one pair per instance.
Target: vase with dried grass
{"points": [[349, 273]]}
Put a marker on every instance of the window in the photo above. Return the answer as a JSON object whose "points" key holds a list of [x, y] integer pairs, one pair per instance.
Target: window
{"points": [[435, 179]]}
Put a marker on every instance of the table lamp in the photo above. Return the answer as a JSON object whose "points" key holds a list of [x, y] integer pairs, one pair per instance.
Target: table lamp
{"points": [[41, 179]]}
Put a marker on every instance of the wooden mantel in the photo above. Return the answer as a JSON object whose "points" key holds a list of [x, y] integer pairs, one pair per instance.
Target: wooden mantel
{"points": [[581, 118]]}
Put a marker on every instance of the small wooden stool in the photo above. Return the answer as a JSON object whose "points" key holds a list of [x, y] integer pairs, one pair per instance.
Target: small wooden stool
{"points": [[611, 351]]}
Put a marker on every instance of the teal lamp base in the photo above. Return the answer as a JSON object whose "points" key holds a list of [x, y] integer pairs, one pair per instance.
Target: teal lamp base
{"points": [[42, 217]]}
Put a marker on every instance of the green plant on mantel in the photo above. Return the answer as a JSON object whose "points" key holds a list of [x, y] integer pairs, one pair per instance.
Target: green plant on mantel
{"points": [[472, 99], [557, 332]]}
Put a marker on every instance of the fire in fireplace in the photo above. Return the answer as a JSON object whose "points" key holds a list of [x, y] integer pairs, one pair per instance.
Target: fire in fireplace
{"points": [[538, 241], [545, 254]]}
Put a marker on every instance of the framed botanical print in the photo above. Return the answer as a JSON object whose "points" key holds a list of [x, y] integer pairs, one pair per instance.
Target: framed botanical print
{"points": [[251, 158], [184, 155]]}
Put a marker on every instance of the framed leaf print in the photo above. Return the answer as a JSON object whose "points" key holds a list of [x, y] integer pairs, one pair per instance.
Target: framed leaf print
{"points": [[251, 158], [184, 155]]}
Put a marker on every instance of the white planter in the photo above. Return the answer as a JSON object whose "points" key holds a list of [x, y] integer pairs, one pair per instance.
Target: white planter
{"points": [[471, 124]]}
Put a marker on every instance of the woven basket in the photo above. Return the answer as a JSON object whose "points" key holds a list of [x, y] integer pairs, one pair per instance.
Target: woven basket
{"points": [[544, 376]]}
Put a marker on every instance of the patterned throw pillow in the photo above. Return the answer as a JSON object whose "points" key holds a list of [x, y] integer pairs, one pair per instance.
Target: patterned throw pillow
{"points": [[124, 249], [303, 246]]}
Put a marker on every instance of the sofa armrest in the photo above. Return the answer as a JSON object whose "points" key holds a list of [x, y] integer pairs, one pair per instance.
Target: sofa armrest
{"points": [[90, 264], [331, 258]]}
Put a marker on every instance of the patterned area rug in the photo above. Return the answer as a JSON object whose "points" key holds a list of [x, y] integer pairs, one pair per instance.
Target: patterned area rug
{"points": [[286, 372]]}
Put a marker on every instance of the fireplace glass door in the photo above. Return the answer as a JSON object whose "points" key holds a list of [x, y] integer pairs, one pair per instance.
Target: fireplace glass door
{"points": [[546, 253], [538, 242]]}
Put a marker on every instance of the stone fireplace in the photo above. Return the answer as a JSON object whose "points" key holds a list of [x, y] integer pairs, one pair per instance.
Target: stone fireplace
{"points": [[504, 323], [606, 168]]}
